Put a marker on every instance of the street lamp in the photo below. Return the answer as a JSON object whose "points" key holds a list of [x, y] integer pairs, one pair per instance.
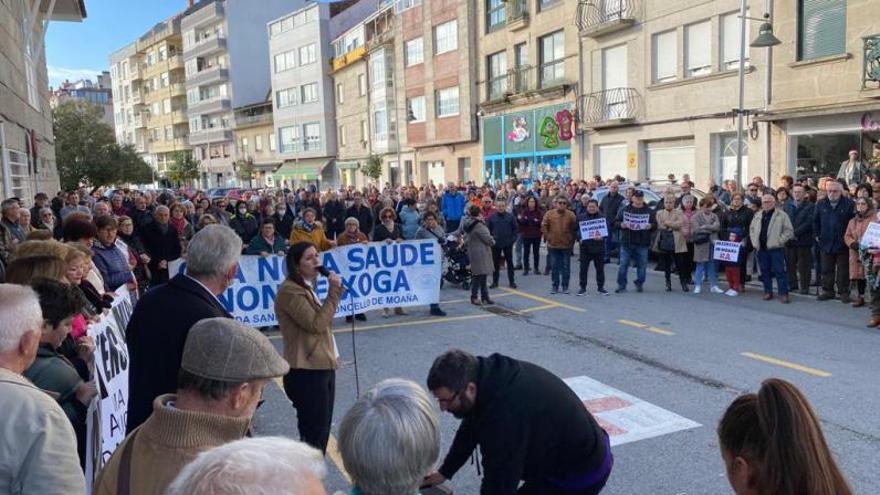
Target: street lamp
{"points": [[765, 39]]}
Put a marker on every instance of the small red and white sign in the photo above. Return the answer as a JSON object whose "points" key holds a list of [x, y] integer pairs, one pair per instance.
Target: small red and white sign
{"points": [[626, 418]]}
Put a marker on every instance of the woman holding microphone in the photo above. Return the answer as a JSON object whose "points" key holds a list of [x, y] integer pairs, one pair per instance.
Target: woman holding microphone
{"points": [[309, 346]]}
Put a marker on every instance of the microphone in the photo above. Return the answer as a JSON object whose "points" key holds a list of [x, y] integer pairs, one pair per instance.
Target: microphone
{"points": [[324, 271]]}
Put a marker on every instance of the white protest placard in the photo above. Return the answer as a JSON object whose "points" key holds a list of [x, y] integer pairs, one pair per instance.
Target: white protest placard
{"points": [[376, 275], [593, 229], [726, 251], [871, 239], [637, 221], [109, 410]]}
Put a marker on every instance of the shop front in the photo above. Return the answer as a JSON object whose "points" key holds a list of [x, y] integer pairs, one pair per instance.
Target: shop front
{"points": [[818, 146], [528, 145], [300, 173]]}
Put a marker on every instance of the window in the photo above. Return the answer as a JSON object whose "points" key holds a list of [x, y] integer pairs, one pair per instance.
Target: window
{"points": [[164, 79], [309, 93], [402, 5], [821, 28], [447, 102], [546, 4], [191, 67], [286, 97], [307, 54], [415, 108], [290, 139], [496, 68], [698, 40], [496, 14], [362, 84], [189, 38], [166, 105], [155, 108], [272, 142], [244, 145], [521, 67], [313, 136], [169, 132], [364, 131], [163, 53], [285, 61], [665, 56], [445, 37], [414, 52], [730, 41], [341, 135], [258, 142], [340, 98], [552, 52]]}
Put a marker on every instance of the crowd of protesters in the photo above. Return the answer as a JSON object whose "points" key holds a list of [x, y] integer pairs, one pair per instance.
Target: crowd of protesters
{"points": [[196, 381]]}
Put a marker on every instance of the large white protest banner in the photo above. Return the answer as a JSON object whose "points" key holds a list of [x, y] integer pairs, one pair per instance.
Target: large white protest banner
{"points": [[593, 229], [726, 251], [871, 238], [108, 412], [375, 275]]}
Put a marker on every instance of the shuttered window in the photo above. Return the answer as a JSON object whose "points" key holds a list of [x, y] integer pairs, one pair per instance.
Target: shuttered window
{"points": [[821, 28]]}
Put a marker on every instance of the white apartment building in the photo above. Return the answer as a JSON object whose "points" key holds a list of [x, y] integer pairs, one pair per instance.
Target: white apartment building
{"points": [[227, 65]]}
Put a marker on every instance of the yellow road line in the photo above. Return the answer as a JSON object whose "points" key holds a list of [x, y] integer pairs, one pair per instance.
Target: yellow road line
{"points": [[494, 296], [545, 300], [787, 364], [539, 308], [332, 446], [645, 327]]}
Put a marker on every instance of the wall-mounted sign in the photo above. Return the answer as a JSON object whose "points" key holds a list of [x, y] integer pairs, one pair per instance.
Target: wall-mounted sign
{"points": [[549, 130], [564, 119], [520, 131], [870, 122]]}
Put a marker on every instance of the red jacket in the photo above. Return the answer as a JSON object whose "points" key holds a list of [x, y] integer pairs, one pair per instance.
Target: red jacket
{"points": [[530, 223]]}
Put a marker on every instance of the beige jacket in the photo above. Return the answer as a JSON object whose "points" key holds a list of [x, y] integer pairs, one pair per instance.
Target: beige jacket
{"points": [[306, 327], [779, 231], [167, 441], [673, 220], [37, 444]]}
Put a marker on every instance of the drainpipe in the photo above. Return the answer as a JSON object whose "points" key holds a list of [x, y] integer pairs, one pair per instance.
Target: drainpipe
{"points": [[582, 137], [4, 160]]}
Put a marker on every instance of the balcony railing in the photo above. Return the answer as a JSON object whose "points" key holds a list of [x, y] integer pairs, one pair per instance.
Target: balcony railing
{"points": [[497, 87], [871, 69], [519, 80], [598, 17], [252, 120], [380, 39], [552, 74], [517, 14], [610, 107]]}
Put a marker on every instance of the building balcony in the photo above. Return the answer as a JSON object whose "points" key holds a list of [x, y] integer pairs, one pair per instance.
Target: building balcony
{"points": [[140, 120], [243, 121], [137, 99], [384, 38], [176, 144], [871, 66], [202, 14], [211, 75], [596, 18], [517, 14], [212, 105], [206, 47], [526, 83], [609, 108], [177, 89], [348, 58], [135, 73], [175, 62], [206, 136]]}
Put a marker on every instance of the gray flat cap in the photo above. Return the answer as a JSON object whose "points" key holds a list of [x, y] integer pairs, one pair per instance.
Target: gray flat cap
{"points": [[226, 350]]}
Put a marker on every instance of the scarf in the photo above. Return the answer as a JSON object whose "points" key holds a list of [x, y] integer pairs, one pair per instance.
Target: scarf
{"points": [[179, 224], [353, 238], [308, 227]]}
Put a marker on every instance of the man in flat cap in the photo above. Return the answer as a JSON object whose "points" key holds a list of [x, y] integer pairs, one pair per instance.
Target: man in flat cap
{"points": [[224, 369]]}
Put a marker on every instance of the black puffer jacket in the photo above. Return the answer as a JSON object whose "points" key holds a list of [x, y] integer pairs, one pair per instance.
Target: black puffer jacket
{"points": [[529, 426]]}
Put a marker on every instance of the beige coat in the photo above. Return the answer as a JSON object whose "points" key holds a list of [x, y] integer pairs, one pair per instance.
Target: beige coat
{"points": [[671, 220], [37, 443], [854, 232], [705, 222], [306, 327], [479, 244], [167, 441], [779, 231]]}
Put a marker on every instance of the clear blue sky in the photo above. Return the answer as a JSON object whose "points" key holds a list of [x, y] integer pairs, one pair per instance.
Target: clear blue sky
{"points": [[82, 50]]}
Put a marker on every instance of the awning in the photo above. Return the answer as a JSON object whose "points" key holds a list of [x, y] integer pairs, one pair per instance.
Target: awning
{"points": [[816, 111], [301, 170], [346, 165]]}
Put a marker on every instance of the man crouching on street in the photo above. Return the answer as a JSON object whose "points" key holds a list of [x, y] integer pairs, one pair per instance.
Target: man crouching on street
{"points": [[530, 426]]}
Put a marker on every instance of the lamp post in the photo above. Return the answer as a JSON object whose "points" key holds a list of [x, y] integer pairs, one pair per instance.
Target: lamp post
{"points": [[765, 39]]}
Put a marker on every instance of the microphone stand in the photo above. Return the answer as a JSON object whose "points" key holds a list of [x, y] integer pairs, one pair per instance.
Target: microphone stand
{"points": [[357, 382]]}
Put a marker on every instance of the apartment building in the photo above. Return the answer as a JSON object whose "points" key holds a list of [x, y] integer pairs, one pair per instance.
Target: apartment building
{"points": [[825, 86], [528, 76], [27, 143], [97, 93], [435, 56], [382, 92], [303, 89], [255, 150], [149, 87], [226, 63]]}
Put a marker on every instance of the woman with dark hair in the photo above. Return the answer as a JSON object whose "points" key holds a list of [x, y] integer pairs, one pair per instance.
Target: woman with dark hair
{"points": [[529, 220], [306, 331], [268, 241], [479, 248], [852, 238], [772, 443], [137, 254]]}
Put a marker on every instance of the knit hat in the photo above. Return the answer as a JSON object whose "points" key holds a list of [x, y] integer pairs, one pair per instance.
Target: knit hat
{"points": [[225, 350]]}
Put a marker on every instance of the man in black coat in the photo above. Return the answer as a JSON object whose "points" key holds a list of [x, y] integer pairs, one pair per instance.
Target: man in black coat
{"points": [[162, 244], [163, 316], [830, 219], [609, 207], [799, 251], [528, 423], [362, 213]]}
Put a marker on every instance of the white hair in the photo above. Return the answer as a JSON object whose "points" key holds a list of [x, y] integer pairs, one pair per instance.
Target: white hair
{"points": [[390, 438], [20, 313], [212, 252], [252, 466]]}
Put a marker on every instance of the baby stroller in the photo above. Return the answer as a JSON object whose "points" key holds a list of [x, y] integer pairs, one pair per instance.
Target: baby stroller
{"points": [[455, 263]]}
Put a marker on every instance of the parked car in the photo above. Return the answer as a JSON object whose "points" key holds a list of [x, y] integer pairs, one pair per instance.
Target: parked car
{"points": [[652, 199]]}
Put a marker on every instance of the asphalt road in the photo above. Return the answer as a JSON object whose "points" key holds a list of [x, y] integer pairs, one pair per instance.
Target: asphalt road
{"points": [[687, 354]]}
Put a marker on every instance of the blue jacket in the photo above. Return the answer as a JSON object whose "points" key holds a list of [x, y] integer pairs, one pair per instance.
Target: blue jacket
{"points": [[829, 224], [112, 264], [503, 228], [802, 222], [410, 219], [452, 205]]}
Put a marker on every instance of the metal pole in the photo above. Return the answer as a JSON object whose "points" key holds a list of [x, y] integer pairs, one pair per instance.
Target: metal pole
{"points": [[740, 109], [4, 159], [768, 96]]}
